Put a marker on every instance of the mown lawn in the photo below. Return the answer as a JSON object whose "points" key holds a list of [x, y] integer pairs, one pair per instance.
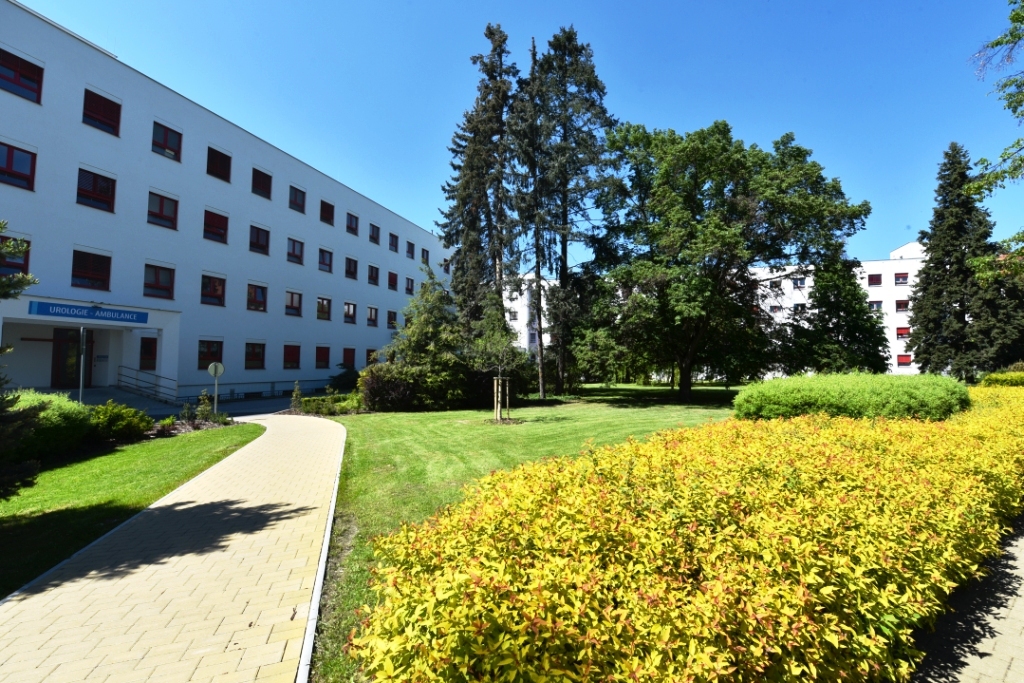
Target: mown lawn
{"points": [[402, 467], [72, 505]]}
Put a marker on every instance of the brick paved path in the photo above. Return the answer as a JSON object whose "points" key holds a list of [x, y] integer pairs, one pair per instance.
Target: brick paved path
{"points": [[211, 583]]}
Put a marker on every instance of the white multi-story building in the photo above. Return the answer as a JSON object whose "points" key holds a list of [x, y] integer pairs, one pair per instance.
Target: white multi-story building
{"points": [[176, 238]]}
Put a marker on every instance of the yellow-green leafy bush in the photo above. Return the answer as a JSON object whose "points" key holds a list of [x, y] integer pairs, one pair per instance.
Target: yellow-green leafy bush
{"points": [[1003, 379], [743, 551]]}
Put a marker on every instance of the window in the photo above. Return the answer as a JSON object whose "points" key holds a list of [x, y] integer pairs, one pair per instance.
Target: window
{"points": [[256, 298], [902, 306], [262, 183], [99, 112], [425, 257], [902, 278], [373, 275], [410, 286], [348, 358], [295, 249], [392, 320], [17, 167], [371, 356], [12, 265], [775, 309], [215, 227], [393, 281], [374, 233], [147, 353], [351, 268], [95, 190], [350, 313], [799, 308], [799, 282], [875, 305], [371, 316], [875, 280], [218, 164], [293, 303], [296, 199], [213, 289], [903, 333], [326, 212], [410, 250], [352, 224], [775, 284], [326, 261], [159, 282], [292, 352], [513, 316], [533, 337], [21, 77], [91, 271], [323, 357], [393, 242], [166, 142], [255, 356], [210, 352], [259, 240], [447, 267], [163, 211], [903, 360], [323, 308]]}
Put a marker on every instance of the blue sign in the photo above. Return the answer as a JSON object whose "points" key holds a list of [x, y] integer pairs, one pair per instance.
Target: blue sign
{"points": [[111, 315]]}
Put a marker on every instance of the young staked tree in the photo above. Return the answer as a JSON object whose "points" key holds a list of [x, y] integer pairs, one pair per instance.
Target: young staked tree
{"points": [[494, 350], [477, 221]]}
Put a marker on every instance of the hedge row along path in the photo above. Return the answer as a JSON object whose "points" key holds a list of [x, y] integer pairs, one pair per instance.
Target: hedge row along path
{"points": [[213, 582]]}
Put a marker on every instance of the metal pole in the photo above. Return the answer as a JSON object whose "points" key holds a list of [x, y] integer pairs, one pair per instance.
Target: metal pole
{"points": [[81, 364], [216, 391]]}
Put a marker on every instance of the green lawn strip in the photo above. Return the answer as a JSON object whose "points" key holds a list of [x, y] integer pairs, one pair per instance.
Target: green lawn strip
{"points": [[403, 467], [71, 506]]}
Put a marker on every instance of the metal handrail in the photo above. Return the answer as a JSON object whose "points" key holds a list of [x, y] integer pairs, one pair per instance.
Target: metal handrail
{"points": [[148, 383]]}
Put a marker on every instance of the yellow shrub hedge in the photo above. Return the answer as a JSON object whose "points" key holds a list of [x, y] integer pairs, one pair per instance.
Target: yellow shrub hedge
{"points": [[742, 551]]}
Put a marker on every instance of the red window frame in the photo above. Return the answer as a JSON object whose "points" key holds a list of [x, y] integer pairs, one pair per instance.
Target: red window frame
{"points": [[875, 280], [901, 278], [102, 113], [256, 298], [90, 271], [215, 227], [350, 313], [425, 256], [348, 358], [292, 356], [351, 268], [293, 304], [262, 183], [9, 174], [255, 356], [903, 333], [259, 240], [210, 351], [296, 199], [410, 250], [296, 249], [352, 224], [163, 212], [373, 275], [166, 142], [410, 286], [392, 320], [326, 261], [326, 212], [13, 265], [371, 316], [155, 285], [393, 281], [147, 353], [902, 306], [21, 77], [323, 308], [904, 360], [374, 233], [393, 242], [213, 290], [96, 191], [323, 357], [218, 164]]}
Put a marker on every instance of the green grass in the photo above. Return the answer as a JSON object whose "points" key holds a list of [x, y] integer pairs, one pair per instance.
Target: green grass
{"points": [[402, 467], [72, 505]]}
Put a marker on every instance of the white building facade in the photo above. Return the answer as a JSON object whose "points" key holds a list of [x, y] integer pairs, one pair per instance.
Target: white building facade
{"points": [[176, 238]]}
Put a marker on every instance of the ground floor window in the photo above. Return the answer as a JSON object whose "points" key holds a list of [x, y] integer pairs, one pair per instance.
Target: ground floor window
{"points": [[371, 356], [903, 360], [147, 353], [323, 357], [255, 356], [291, 357], [210, 352], [348, 358]]}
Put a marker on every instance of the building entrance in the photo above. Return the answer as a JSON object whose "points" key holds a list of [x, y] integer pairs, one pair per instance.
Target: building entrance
{"points": [[66, 357]]}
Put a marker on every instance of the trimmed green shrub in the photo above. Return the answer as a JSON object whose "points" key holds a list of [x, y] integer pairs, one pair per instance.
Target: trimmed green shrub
{"points": [[388, 387], [1003, 379], [62, 427], [118, 422], [346, 380], [332, 404], [924, 397]]}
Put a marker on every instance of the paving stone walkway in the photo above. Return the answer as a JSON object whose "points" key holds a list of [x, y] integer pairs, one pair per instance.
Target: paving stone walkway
{"points": [[214, 582]]}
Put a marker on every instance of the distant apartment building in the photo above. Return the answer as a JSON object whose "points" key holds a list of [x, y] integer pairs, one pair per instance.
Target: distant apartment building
{"points": [[175, 238]]}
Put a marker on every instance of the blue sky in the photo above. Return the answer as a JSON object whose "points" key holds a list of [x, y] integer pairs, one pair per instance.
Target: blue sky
{"points": [[370, 92]]}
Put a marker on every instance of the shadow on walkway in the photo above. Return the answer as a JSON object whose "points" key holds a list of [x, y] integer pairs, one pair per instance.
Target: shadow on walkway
{"points": [[973, 607], [156, 536]]}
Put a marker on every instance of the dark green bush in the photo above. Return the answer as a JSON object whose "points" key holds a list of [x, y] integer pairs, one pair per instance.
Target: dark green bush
{"points": [[118, 422], [925, 397], [345, 381], [388, 387], [1004, 379], [62, 427]]}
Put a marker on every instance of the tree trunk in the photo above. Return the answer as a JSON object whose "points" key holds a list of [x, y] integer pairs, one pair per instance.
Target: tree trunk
{"points": [[563, 285], [685, 380], [538, 308]]}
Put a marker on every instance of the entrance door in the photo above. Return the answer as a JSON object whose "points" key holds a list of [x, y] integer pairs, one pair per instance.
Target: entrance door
{"points": [[66, 355]]}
